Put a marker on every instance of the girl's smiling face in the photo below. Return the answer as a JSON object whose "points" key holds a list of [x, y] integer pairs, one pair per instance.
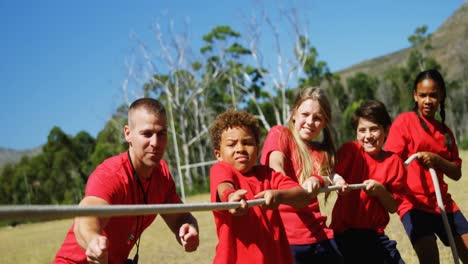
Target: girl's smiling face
{"points": [[309, 120]]}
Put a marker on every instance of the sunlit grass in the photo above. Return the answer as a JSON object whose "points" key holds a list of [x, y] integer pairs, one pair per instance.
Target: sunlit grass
{"points": [[38, 242]]}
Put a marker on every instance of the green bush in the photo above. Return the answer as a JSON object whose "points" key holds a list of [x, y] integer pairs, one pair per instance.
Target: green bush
{"points": [[463, 143]]}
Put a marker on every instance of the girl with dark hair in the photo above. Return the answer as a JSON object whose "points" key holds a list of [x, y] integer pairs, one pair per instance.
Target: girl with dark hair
{"points": [[420, 132], [359, 217]]}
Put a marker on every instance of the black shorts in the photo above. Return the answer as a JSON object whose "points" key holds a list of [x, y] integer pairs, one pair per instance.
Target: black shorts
{"points": [[322, 252], [366, 246], [420, 224]]}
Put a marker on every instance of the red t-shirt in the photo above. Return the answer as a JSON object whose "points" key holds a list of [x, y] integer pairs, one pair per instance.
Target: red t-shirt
{"points": [[258, 236], [356, 209], [305, 225], [407, 137], [113, 181]]}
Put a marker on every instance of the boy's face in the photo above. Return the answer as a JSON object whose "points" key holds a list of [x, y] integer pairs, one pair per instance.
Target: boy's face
{"points": [[371, 136], [239, 148]]}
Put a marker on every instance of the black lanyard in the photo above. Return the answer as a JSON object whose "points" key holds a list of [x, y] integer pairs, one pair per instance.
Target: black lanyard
{"points": [[139, 226], [137, 179]]}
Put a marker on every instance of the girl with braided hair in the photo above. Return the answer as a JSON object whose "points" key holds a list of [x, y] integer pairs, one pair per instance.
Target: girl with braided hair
{"points": [[420, 132]]}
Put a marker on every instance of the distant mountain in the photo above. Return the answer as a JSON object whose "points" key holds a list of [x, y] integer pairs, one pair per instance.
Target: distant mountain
{"points": [[13, 156], [450, 49]]}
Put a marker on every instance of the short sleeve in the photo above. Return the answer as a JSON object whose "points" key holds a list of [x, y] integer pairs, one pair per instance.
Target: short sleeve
{"points": [[220, 172], [281, 182], [397, 139], [345, 157], [276, 140], [103, 183], [396, 183]]}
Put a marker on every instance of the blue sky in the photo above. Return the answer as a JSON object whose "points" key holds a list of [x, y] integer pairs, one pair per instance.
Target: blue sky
{"points": [[63, 62]]}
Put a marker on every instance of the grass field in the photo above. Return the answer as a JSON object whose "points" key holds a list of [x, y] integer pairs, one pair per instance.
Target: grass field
{"points": [[38, 242]]}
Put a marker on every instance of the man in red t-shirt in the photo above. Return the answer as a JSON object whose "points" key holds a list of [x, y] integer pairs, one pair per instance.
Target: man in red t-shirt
{"points": [[134, 177]]}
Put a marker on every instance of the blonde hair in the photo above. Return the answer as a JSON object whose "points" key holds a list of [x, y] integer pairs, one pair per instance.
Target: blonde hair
{"points": [[306, 165]]}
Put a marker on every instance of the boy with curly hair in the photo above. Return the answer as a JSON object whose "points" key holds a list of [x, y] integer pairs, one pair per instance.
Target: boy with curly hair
{"points": [[248, 234]]}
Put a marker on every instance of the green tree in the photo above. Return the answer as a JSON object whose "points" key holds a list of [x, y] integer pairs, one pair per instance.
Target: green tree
{"points": [[316, 71], [347, 132], [109, 142], [362, 86], [225, 60], [6, 188], [60, 175], [194, 93], [83, 146], [400, 79]]}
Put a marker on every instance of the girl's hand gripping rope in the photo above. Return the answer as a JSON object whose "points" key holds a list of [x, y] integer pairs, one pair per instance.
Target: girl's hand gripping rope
{"points": [[337, 180], [428, 159], [312, 186]]}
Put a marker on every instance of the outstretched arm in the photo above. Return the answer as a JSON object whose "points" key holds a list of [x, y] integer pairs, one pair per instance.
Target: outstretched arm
{"points": [[296, 197], [185, 228], [276, 162], [88, 232]]}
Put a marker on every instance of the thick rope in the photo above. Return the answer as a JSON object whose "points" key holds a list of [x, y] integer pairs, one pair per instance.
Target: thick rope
{"points": [[440, 203], [49, 212]]}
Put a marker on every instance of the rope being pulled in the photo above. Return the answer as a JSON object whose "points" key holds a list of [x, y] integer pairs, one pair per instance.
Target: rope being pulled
{"points": [[440, 203], [69, 211], [50, 212]]}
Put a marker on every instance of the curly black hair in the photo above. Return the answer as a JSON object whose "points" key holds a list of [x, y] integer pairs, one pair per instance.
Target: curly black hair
{"points": [[233, 118]]}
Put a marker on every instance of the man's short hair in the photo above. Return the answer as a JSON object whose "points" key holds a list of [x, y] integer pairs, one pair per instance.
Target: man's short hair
{"points": [[149, 104]]}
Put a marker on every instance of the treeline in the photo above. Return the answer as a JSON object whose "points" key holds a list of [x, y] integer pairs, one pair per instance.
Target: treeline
{"points": [[194, 91], [59, 173]]}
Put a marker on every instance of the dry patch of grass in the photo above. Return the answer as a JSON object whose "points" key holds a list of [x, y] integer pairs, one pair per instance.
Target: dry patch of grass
{"points": [[38, 242], [32, 243]]}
